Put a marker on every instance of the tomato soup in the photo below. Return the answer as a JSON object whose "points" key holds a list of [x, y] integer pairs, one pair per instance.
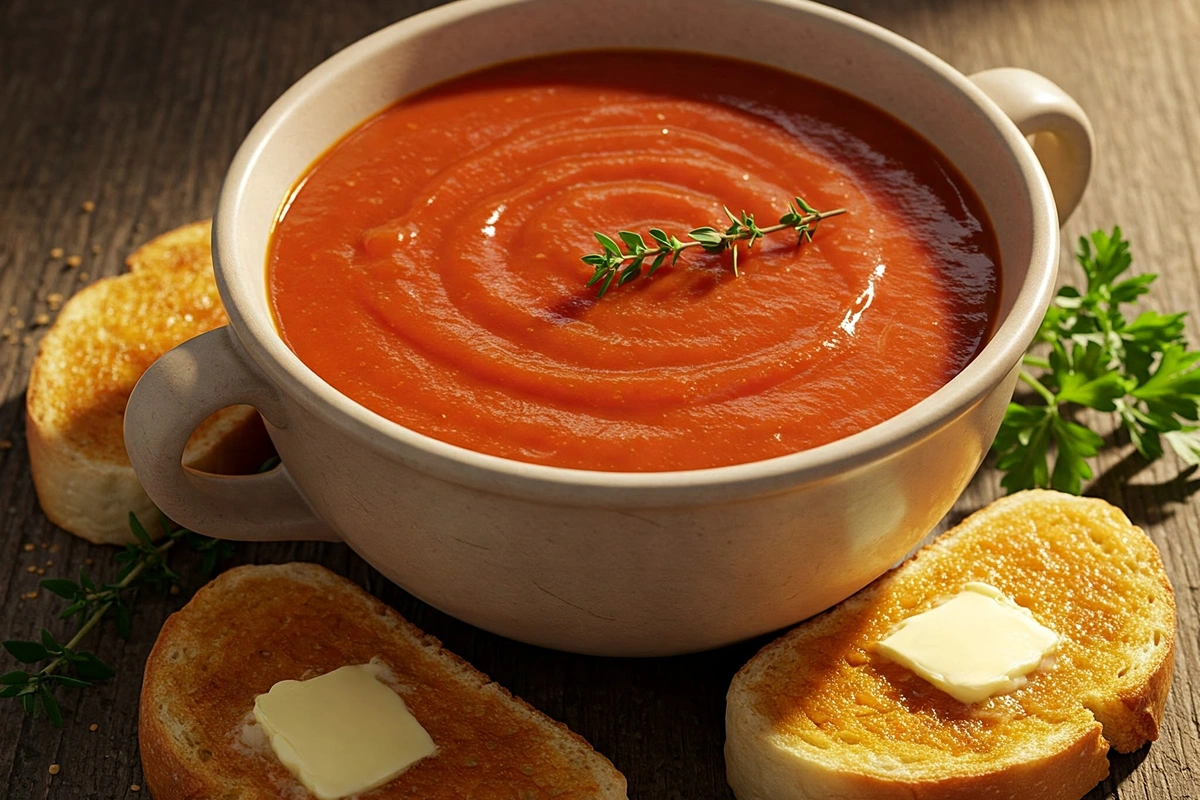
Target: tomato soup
{"points": [[428, 265]]}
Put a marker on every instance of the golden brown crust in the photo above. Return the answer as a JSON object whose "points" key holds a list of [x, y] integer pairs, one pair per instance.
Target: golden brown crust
{"points": [[173, 779], [254, 626], [1067, 774], [818, 712], [185, 247], [104, 338], [1132, 716]]}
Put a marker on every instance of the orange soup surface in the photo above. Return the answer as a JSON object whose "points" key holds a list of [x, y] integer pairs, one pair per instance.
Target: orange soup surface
{"points": [[428, 265]]}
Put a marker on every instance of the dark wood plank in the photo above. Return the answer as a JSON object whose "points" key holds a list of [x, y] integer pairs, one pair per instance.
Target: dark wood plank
{"points": [[139, 105]]}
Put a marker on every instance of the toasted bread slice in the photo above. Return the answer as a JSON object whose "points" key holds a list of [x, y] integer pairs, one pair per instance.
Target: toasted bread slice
{"points": [[255, 626], [819, 714], [188, 247], [103, 340]]}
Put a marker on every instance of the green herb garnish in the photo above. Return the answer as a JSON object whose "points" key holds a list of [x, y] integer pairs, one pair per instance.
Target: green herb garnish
{"points": [[1141, 370], [609, 264], [144, 564]]}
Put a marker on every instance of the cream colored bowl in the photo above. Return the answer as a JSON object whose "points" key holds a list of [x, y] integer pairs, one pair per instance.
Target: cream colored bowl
{"points": [[609, 563]]}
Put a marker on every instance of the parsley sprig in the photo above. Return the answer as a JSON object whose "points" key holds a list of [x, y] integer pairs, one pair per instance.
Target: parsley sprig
{"points": [[144, 563], [609, 264], [1095, 358]]}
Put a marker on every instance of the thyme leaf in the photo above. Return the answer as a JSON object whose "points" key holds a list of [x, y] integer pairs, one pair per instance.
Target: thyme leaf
{"points": [[614, 264], [144, 563]]}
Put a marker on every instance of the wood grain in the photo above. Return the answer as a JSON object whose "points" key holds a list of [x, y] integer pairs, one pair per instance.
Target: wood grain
{"points": [[139, 105]]}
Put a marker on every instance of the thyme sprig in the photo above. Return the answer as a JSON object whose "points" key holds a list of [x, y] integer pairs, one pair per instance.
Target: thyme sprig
{"points": [[610, 264], [144, 564]]}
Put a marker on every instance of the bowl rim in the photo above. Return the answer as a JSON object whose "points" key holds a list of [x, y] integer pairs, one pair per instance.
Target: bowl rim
{"points": [[265, 348]]}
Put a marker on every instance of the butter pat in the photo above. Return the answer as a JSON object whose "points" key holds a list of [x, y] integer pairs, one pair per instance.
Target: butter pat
{"points": [[343, 732], [977, 644]]}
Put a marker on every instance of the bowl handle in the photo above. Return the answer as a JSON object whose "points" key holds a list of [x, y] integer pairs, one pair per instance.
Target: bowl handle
{"points": [[177, 393], [1059, 131]]}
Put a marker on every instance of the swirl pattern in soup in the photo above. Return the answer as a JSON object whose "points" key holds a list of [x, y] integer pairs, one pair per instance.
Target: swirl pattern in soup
{"points": [[428, 265]]}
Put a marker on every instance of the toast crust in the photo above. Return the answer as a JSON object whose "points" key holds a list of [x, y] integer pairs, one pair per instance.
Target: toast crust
{"points": [[819, 714], [254, 626], [186, 247], [102, 341]]}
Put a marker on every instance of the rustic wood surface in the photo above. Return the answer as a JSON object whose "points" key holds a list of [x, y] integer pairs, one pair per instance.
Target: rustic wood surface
{"points": [[138, 106]]}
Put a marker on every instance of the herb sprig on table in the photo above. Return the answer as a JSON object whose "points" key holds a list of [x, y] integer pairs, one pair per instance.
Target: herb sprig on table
{"points": [[144, 563], [1087, 354], [610, 264]]}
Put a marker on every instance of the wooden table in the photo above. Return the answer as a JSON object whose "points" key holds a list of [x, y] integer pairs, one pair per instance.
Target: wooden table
{"points": [[139, 106]]}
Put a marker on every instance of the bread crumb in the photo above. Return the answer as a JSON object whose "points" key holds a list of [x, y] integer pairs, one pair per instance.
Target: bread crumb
{"points": [[74, 261], [13, 311], [6, 444], [54, 300], [54, 768], [93, 727], [173, 590], [49, 563], [54, 548], [83, 276], [31, 568], [31, 595], [18, 324], [133, 787], [87, 206], [45, 546], [28, 547], [26, 340], [41, 571], [41, 319], [56, 252], [95, 249]]}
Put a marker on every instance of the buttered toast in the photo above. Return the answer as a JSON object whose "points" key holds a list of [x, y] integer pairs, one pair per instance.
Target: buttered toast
{"points": [[255, 626], [103, 340], [820, 713]]}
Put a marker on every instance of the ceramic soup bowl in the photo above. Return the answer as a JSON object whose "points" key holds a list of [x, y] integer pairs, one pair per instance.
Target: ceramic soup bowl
{"points": [[601, 562]]}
